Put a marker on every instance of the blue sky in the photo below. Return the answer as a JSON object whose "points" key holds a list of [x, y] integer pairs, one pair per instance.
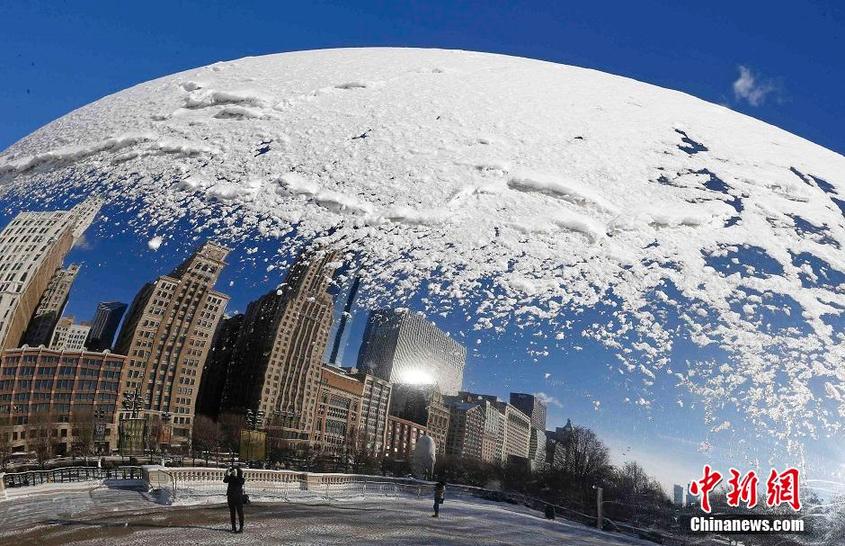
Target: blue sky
{"points": [[56, 56], [782, 66]]}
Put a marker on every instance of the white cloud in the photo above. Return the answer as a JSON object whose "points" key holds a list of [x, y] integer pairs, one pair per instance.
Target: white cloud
{"points": [[82, 243], [154, 243], [548, 399], [749, 87]]}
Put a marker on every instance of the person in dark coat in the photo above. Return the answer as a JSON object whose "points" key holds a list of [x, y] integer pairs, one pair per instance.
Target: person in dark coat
{"points": [[235, 496], [439, 495]]}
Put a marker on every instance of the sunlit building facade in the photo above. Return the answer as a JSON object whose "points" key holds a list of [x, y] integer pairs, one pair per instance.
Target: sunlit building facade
{"points": [[166, 337], [404, 347], [32, 248], [39, 331]]}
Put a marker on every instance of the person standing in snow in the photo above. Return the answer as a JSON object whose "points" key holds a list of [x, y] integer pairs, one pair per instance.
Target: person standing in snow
{"points": [[439, 495], [235, 496]]}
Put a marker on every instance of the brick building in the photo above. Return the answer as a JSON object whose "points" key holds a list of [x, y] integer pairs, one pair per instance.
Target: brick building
{"points": [[402, 438], [61, 397], [337, 423]]}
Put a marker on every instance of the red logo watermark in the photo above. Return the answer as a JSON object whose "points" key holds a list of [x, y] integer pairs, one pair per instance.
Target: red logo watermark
{"points": [[781, 488]]}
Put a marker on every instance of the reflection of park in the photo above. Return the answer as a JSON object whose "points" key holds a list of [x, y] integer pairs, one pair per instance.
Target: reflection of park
{"points": [[386, 514]]}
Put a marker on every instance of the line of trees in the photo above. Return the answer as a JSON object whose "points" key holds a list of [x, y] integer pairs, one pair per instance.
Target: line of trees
{"points": [[42, 434]]}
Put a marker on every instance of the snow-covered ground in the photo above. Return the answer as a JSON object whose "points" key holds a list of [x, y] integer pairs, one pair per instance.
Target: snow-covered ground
{"points": [[100, 515]]}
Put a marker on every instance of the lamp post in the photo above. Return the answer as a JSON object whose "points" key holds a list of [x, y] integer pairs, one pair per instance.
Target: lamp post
{"points": [[254, 421], [99, 429], [599, 515], [132, 404], [166, 432]]}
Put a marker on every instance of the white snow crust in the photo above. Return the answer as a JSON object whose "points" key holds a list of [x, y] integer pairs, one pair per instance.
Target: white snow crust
{"points": [[508, 188]]}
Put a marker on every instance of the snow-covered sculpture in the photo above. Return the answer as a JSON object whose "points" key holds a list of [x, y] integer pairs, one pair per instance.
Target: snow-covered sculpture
{"points": [[680, 222], [425, 455]]}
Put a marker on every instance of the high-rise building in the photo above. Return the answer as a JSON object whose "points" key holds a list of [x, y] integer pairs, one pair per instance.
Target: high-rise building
{"points": [[342, 321], [39, 331], [555, 452], [556, 445], [404, 347], [337, 423], [516, 440], [537, 448], [32, 248], [104, 326], [424, 405], [68, 335], [61, 393], [466, 430], [166, 337], [375, 404], [678, 491], [492, 442], [535, 409], [531, 406], [209, 399], [275, 366]]}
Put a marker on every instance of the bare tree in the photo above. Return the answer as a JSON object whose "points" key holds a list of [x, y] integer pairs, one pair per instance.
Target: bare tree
{"points": [[40, 431], [6, 428], [206, 435], [83, 428], [231, 425], [153, 432], [586, 457]]}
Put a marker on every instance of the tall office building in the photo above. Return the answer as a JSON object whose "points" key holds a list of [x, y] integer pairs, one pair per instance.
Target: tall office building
{"points": [[492, 441], [167, 335], [535, 409], [375, 405], [678, 491], [209, 399], [342, 321], [68, 335], [275, 366], [531, 406], [466, 430], [537, 448], [516, 442], [404, 347], [555, 452], [104, 326], [32, 248], [50, 307], [424, 405], [556, 445]]}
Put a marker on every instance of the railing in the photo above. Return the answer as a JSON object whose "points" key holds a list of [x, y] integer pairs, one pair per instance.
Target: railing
{"points": [[70, 474], [284, 485]]}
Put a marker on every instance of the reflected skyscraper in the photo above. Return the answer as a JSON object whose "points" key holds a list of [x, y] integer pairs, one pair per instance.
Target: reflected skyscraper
{"points": [[50, 307], [167, 335], [404, 347], [104, 326], [276, 361], [32, 248], [342, 322]]}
